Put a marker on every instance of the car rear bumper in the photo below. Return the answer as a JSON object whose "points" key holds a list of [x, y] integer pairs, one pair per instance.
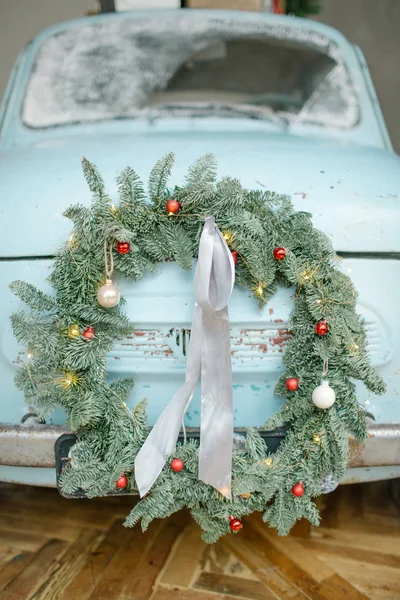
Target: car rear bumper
{"points": [[33, 446]]}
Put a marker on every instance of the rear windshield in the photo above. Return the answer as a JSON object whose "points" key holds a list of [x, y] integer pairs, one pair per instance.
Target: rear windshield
{"points": [[191, 65]]}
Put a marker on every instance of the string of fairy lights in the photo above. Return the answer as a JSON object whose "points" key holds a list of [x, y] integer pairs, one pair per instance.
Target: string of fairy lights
{"points": [[69, 378]]}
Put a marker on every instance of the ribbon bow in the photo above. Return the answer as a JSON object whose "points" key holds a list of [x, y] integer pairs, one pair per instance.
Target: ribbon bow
{"points": [[209, 354]]}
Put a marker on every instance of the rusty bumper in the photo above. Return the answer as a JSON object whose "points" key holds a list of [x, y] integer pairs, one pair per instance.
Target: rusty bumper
{"points": [[25, 446]]}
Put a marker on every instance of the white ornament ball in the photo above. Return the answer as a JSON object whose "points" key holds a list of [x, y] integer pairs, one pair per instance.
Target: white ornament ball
{"points": [[108, 295], [324, 396]]}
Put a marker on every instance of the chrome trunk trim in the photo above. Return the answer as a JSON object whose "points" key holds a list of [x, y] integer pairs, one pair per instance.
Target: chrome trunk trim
{"points": [[33, 446]]}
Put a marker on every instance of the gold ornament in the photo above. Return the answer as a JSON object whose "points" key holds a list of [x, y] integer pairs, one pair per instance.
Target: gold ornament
{"points": [[108, 295], [317, 439], [268, 462], [114, 209], [73, 331], [68, 380], [245, 495], [227, 236]]}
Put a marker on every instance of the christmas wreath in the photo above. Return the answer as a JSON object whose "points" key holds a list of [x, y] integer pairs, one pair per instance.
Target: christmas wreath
{"points": [[265, 243]]}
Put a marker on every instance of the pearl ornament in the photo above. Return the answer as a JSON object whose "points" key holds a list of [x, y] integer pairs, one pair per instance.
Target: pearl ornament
{"points": [[323, 396], [108, 295]]}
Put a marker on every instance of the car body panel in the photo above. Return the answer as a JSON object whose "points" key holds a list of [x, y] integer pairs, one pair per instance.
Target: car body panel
{"points": [[349, 179], [329, 179], [155, 353]]}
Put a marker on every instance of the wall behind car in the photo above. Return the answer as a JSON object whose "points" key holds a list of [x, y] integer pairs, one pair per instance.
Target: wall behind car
{"points": [[374, 25], [22, 20]]}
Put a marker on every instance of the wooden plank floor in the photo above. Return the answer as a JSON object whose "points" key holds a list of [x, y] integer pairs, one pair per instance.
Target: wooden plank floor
{"points": [[52, 548]]}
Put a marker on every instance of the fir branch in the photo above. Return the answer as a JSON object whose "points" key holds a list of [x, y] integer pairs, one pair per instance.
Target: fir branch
{"points": [[87, 411], [130, 188], [32, 296], [200, 183], [81, 216], [139, 415], [93, 178], [255, 445], [159, 176]]}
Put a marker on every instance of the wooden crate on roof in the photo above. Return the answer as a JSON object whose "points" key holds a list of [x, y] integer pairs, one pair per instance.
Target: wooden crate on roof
{"points": [[226, 4], [257, 5]]}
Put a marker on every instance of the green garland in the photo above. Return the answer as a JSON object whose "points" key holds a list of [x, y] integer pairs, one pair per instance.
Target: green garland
{"points": [[64, 368]]}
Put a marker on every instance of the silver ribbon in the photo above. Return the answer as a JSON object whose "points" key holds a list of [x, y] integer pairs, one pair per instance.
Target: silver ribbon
{"points": [[209, 354]]}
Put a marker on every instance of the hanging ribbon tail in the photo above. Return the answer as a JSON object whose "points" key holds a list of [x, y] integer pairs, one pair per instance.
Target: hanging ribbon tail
{"points": [[209, 355]]}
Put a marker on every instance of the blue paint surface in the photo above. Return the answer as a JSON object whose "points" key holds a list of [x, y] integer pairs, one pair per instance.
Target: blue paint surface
{"points": [[348, 179]]}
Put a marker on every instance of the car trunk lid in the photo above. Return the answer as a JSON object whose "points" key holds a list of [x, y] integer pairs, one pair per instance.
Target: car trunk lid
{"points": [[351, 191]]}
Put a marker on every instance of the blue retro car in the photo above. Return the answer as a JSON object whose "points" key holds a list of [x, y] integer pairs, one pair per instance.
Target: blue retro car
{"points": [[283, 103]]}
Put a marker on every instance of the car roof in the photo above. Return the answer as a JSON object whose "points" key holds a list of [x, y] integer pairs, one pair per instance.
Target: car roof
{"points": [[305, 31]]}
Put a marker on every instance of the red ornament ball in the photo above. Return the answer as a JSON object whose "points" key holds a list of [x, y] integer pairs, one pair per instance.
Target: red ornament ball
{"points": [[88, 334], [292, 383], [235, 524], [122, 482], [173, 206], [298, 489], [321, 328], [177, 465], [279, 253], [235, 256], [123, 247]]}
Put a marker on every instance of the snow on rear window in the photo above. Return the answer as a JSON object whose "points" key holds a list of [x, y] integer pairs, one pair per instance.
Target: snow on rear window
{"points": [[189, 64]]}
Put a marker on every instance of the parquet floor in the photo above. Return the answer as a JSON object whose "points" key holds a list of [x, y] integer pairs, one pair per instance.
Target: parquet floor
{"points": [[52, 548]]}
